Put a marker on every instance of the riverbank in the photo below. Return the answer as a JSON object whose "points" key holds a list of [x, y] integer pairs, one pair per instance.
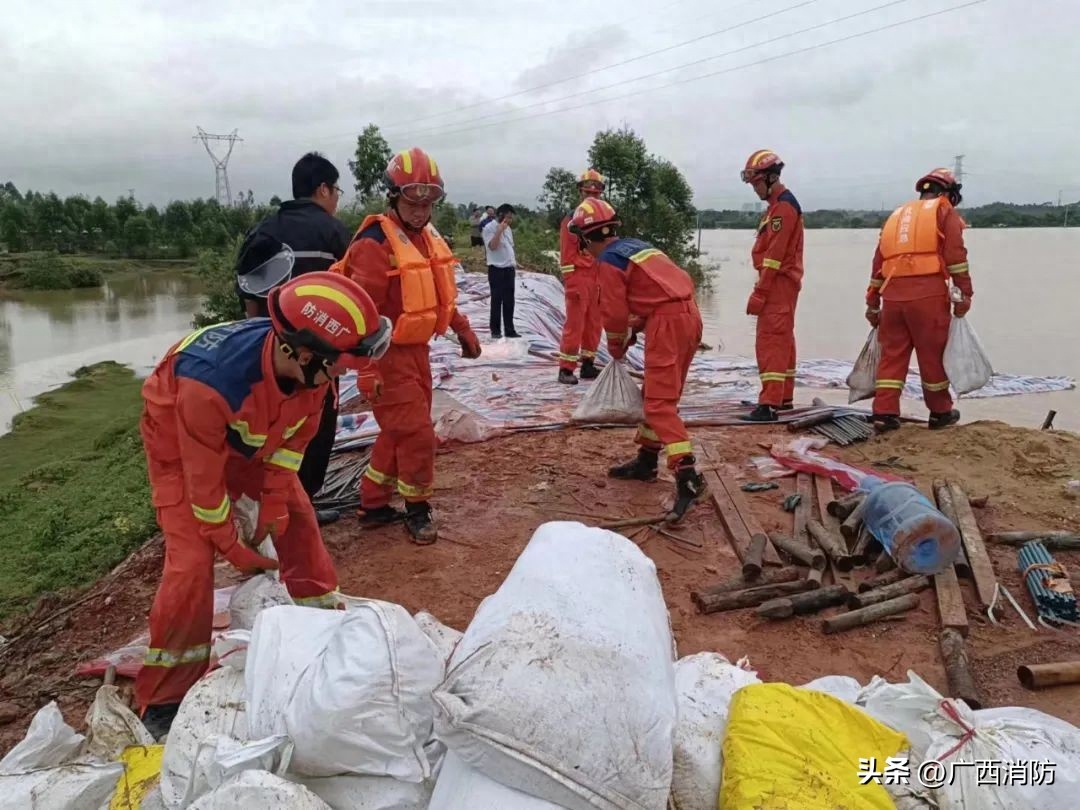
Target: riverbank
{"points": [[74, 500], [53, 271], [491, 496]]}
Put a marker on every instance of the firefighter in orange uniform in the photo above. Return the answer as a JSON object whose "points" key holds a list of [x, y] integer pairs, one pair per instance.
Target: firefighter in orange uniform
{"points": [[408, 270], [641, 289], [229, 412], [778, 258], [583, 325], [920, 251]]}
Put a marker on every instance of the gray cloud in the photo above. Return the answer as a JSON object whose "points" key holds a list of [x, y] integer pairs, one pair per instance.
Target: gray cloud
{"points": [[581, 52]]}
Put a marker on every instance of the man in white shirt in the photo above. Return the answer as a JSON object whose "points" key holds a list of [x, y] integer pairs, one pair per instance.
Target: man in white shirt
{"points": [[502, 265]]}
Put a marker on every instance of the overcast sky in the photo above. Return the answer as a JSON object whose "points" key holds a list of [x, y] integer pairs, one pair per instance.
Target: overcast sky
{"points": [[105, 96]]}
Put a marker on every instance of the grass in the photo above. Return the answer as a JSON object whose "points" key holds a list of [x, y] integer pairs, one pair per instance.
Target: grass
{"points": [[52, 271], [74, 499]]}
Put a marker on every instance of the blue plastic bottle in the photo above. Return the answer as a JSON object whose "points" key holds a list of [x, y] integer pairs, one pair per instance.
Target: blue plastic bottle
{"points": [[911, 529]]}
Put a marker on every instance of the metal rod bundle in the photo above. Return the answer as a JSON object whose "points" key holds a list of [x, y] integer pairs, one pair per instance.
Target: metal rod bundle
{"points": [[1048, 584]]}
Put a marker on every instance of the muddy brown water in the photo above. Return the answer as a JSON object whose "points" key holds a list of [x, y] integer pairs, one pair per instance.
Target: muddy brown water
{"points": [[1025, 282]]}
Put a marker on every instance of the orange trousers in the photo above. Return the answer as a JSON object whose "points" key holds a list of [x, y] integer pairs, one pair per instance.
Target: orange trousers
{"points": [[922, 325], [182, 616], [672, 335], [403, 457], [775, 349], [584, 323]]}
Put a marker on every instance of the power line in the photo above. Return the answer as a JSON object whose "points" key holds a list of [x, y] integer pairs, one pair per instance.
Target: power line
{"points": [[221, 175], [439, 127], [725, 70], [637, 58]]}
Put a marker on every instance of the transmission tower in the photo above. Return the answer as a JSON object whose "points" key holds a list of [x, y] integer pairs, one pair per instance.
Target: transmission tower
{"points": [[221, 174], [959, 168]]}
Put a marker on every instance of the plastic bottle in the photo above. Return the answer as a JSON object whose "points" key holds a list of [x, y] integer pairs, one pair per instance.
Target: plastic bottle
{"points": [[910, 528]]}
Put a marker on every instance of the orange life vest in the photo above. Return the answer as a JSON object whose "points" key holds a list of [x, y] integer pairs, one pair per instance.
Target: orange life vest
{"points": [[428, 287], [910, 241]]}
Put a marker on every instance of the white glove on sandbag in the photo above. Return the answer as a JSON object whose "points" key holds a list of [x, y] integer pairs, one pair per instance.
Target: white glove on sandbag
{"points": [[563, 685]]}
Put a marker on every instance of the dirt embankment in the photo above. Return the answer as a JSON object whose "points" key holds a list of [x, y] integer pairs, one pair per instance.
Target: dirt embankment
{"points": [[490, 497]]}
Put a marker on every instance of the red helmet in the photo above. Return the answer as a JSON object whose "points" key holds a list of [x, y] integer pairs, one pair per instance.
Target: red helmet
{"points": [[332, 316], [591, 182], [592, 215], [761, 162], [939, 177], [415, 176]]}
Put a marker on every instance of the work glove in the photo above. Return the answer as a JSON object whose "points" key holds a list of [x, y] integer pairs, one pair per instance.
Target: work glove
{"points": [[873, 316], [370, 385], [470, 344], [756, 304], [245, 559], [273, 515], [961, 308]]}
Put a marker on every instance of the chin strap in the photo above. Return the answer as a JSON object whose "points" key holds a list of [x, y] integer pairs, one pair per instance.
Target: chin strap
{"points": [[310, 368]]}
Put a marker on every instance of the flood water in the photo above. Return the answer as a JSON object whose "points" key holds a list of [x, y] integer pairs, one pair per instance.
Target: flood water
{"points": [[45, 335], [1025, 312]]}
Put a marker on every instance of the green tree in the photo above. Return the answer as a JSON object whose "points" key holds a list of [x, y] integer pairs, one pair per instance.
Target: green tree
{"points": [[138, 236], [560, 194], [369, 162], [14, 228], [217, 269]]}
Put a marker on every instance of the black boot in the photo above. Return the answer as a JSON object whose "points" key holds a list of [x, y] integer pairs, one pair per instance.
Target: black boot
{"points": [[642, 468], [589, 371], [380, 516], [690, 487], [884, 422], [420, 524], [789, 405], [566, 377], [937, 421], [325, 517], [158, 719], [762, 413]]}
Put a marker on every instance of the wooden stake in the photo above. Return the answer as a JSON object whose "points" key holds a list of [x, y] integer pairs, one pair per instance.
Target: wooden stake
{"points": [[812, 557], [804, 487], [887, 592], [888, 578], [958, 669], [833, 546], [850, 527], [751, 597], [868, 615], [754, 557], [630, 523], [809, 602], [982, 569], [773, 576], [769, 555], [862, 545], [884, 563], [1039, 676], [1054, 541], [824, 488], [950, 601], [842, 507], [1048, 422]]}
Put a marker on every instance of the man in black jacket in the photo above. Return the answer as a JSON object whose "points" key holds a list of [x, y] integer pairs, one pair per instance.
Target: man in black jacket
{"points": [[307, 226]]}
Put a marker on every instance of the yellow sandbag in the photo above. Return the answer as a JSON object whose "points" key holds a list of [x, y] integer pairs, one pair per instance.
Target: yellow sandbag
{"points": [[795, 749], [142, 767]]}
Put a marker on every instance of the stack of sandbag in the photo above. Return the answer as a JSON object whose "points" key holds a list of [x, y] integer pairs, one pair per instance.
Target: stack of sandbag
{"points": [[562, 687]]}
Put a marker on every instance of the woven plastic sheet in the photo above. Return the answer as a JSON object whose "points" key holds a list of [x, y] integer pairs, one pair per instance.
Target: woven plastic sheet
{"points": [[514, 384]]}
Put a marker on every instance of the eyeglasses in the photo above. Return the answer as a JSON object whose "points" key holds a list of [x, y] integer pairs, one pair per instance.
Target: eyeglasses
{"points": [[420, 193]]}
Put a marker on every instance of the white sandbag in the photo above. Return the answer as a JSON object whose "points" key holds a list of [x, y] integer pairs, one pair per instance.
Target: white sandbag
{"points": [[949, 732], [862, 381], [444, 638], [213, 707], [113, 726], [258, 790], [65, 787], [966, 364], [363, 704], [613, 397], [230, 648], [255, 595], [284, 642], [704, 685], [219, 758], [841, 687], [462, 788], [353, 792], [49, 742], [563, 685]]}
